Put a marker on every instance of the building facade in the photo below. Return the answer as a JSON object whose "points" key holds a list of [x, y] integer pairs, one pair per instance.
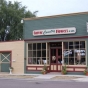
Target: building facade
{"points": [[56, 41], [12, 55]]}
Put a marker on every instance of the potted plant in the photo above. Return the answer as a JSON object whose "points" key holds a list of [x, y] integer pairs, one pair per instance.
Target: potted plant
{"points": [[64, 71], [86, 71], [44, 69], [10, 68]]}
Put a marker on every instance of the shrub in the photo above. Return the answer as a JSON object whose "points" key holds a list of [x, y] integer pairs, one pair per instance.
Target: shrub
{"points": [[64, 71], [86, 70]]}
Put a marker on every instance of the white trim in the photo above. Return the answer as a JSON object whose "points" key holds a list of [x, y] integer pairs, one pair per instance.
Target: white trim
{"points": [[26, 53], [49, 53], [46, 52], [62, 55], [86, 52]]}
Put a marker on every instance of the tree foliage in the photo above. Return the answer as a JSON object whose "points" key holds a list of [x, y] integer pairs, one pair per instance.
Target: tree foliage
{"points": [[11, 15]]}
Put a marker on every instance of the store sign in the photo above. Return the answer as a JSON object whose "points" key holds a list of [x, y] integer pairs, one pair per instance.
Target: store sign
{"points": [[71, 30]]}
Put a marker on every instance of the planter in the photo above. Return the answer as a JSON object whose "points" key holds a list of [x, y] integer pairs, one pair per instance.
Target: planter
{"points": [[44, 73], [10, 71], [63, 73], [86, 73]]}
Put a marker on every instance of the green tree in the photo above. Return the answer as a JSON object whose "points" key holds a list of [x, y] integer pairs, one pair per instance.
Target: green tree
{"points": [[11, 15]]}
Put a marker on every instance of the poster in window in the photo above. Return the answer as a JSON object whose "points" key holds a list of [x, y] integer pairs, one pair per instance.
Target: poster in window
{"points": [[53, 58], [29, 61]]}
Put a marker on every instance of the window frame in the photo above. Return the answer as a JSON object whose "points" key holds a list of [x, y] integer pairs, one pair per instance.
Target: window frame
{"points": [[46, 50]]}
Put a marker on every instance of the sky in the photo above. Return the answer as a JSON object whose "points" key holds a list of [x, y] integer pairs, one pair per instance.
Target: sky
{"points": [[54, 7]]}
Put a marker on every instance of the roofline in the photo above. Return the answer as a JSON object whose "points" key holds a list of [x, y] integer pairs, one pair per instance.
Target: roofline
{"points": [[53, 16]]}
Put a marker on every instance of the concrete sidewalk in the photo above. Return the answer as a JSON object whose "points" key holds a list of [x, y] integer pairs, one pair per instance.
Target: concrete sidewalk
{"points": [[77, 78], [81, 78], [84, 79]]}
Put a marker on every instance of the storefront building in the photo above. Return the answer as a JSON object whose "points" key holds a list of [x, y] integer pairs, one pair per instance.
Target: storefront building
{"points": [[56, 41]]}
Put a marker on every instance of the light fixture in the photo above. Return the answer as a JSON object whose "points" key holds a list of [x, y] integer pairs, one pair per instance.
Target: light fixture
{"points": [[7, 30]]}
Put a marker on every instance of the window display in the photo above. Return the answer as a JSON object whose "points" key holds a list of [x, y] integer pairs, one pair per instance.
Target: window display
{"points": [[74, 53], [37, 53]]}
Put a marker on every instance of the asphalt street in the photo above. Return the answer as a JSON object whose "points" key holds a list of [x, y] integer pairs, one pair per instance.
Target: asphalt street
{"points": [[13, 83]]}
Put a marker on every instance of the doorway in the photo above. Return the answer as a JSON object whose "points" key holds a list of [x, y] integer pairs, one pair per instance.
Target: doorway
{"points": [[5, 61], [55, 59]]}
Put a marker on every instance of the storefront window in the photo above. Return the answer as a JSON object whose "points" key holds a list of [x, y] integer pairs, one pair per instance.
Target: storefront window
{"points": [[74, 53], [37, 54], [34, 46]]}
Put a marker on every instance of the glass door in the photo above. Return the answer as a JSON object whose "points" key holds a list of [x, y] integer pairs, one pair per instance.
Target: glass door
{"points": [[53, 56], [59, 56], [56, 59]]}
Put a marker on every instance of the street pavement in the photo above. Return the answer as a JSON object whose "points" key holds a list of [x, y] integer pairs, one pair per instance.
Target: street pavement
{"points": [[43, 81], [12, 83]]}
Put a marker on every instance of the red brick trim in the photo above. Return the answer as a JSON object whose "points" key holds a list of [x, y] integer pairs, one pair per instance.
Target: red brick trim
{"points": [[52, 70], [34, 67]]}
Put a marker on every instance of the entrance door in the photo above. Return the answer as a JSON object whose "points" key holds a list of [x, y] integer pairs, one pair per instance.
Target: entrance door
{"points": [[56, 59], [5, 59]]}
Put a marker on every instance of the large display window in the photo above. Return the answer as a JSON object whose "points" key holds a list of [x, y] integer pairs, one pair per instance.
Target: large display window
{"points": [[38, 53], [74, 53]]}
